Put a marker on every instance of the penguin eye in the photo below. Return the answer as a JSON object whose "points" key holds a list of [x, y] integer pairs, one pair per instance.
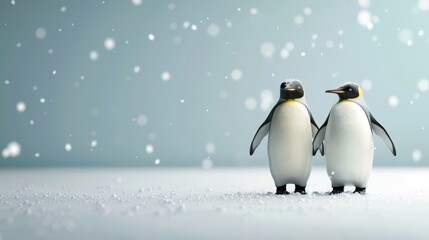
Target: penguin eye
{"points": [[350, 89], [299, 87]]}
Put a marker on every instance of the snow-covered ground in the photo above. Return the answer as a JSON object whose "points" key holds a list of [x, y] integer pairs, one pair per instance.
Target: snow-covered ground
{"points": [[206, 204]]}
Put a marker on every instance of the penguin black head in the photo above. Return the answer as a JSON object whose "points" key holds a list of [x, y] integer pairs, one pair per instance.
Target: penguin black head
{"points": [[291, 90], [347, 91]]}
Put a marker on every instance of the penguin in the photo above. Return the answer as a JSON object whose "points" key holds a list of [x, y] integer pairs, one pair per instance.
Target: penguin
{"points": [[291, 128], [348, 142]]}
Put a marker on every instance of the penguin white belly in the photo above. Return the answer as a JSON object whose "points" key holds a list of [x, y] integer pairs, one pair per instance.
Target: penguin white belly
{"points": [[290, 144], [349, 147]]}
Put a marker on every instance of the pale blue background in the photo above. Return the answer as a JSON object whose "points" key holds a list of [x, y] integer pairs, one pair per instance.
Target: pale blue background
{"points": [[103, 105]]}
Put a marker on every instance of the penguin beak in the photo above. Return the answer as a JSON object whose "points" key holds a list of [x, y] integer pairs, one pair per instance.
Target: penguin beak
{"points": [[290, 89], [337, 91]]}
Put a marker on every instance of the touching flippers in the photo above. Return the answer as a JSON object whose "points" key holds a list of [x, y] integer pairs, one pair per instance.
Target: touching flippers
{"points": [[314, 130], [319, 138]]}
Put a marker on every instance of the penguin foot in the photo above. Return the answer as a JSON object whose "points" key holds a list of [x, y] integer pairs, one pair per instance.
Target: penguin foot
{"points": [[360, 190], [281, 190], [337, 190], [300, 189]]}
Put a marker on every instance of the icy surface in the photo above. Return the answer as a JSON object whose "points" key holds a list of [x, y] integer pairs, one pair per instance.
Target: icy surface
{"points": [[206, 204]]}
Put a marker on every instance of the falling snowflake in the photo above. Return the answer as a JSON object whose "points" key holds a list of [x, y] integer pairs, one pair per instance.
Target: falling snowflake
{"points": [[251, 103], [149, 149], [137, 2], [423, 85], [21, 107], [366, 84], [109, 44], [393, 101], [165, 76], [142, 120], [299, 20], [68, 147], [136, 69], [236, 74], [210, 148], [290, 46], [423, 5], [94, 143], [93, 55], [40, 33], [364, 3], [406, 36], [365, 19], [267, 49], [416, 155], [284, 53], [186, 24], [308, 11], [213, 30], [266, 100], [13, 149], [253, 11], [207, 164]]}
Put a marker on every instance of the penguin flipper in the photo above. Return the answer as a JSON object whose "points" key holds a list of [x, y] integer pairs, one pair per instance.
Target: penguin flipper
{"points": [[260, 134], [382, 133], [314, 127], [314, 130], [263, 130], [319, 138]]}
